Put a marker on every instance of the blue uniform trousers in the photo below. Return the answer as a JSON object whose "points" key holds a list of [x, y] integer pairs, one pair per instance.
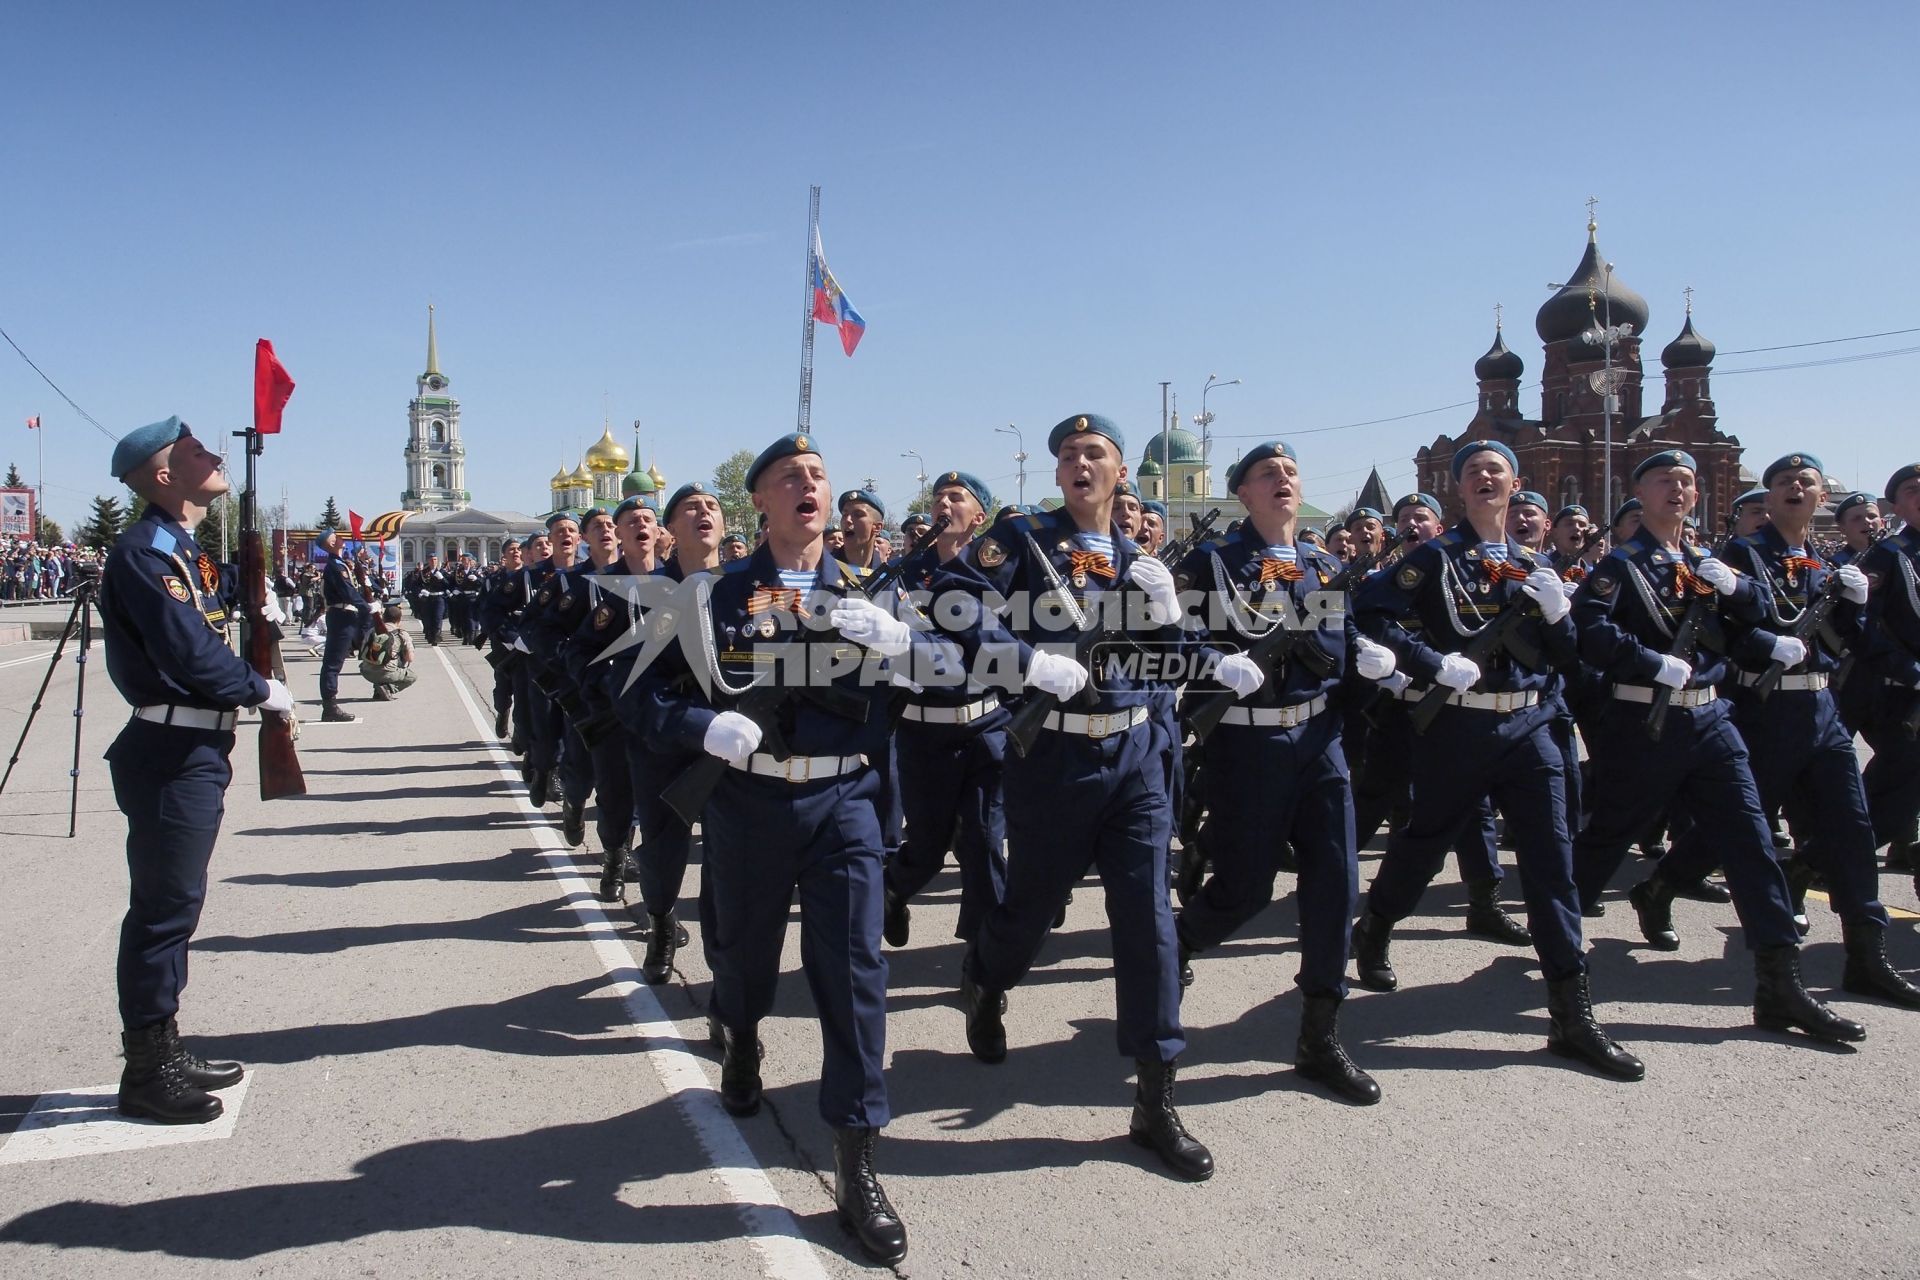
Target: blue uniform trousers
{"points": [[545, 725], [887, 804], [574, 766], [612, 789], [1075, 803], [661, 842], [343, 637], [1467, 756], [1700, 767], [1892, 777], [433, 611], [1264, 788], [171, 783], [1384, 784], [766, 838], [523, 709], [459, 611], [950, 793], [503, 687], [1802, 759]]}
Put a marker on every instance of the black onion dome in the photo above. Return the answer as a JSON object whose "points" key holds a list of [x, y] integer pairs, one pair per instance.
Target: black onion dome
{"points": [[1566, 315], [1689, 350], [1498, 362]]}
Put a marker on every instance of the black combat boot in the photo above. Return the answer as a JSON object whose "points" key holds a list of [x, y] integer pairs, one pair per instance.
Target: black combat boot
{"points": [[740, 1071], [613, 874], [1573, 1033], [538, 783], [1781, 1002], [500, 724], [1703, 890], [330, 713], [573, 823], [1486, 918], [1868, 972], [1901, 856], [1156, 1125], [1320, 1055], [1371, 934], [199, 1072], [897, 924], [1190, 871], [862, 1202], [1652, 901], [662, 941], [986, 1033], [1186, 966], [1799, 880], [154, 1085]]}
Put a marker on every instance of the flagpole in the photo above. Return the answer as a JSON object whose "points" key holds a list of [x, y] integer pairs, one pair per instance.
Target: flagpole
{"points": [[40, 498], [806, 313]]}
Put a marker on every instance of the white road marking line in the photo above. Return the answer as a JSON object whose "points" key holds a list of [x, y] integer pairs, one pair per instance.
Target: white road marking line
{"points": [[770, 1225], [39, 657], [87, 1122]]}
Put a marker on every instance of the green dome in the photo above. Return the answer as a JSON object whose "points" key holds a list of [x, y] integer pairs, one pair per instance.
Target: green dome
{"points": [[1149, 467], [1172, 448], [637, 484]]}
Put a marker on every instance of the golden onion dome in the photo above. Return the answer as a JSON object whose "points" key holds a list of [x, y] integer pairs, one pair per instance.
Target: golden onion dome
{"points": [[606, 455], [561, 479], [659, 481], [581, 477]]}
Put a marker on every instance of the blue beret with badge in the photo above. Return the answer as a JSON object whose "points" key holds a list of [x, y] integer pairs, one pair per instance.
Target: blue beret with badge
{"points": [[142, 443], [1158, 508], [1127, 489], [1625, 509], [787, 446], [1909, 472], [1259, 453], [558, 516], [1426, 500], [1791, 462], [1751, 495], [1569, 511], [1851, 501], [588, 513], [867, 496], [1363, 513], [1665, 458], [1472, 447], [638, 502], [914, 521], [1527, 497], [1084, 424], [966, 480], [680, 495]]}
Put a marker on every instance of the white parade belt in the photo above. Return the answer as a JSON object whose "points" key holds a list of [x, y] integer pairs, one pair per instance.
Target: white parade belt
{"points": [[1102, 725], [1276, 717], [949, 715], [188, 717], [1802, 683], [1681, 697], [799, 768], [1504, 703]]}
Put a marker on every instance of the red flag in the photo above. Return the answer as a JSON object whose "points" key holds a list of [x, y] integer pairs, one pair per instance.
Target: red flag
{"points": [[271, 388], [353, 523], [33, 423]]}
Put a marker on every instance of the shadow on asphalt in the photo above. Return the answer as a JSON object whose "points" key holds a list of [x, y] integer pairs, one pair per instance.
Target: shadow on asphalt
{"points": [[514, 865]]}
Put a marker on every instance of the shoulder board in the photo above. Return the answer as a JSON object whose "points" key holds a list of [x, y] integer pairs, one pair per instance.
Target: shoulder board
{"points": [[1451, 538], [1219, 540], [1029, 521], [163, 540], [856, 570], [1618, 553], [1529, 558], [737, 566]]}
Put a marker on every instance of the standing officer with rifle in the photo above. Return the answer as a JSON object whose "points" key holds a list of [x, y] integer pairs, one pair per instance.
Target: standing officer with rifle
{"points": [[1092, 790], [1666, 740], [1485, 607], [1277, 644], [1802, 756], [1891, 725], [167, 655], [346, 614]]}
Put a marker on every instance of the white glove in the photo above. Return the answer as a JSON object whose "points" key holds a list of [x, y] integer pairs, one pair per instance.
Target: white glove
{"points": [[520, 646], [1154, 578], [1549, 593], [1853, 583], [1239, 673], [1717, 575], [1051, 673], [278, 698], [1457, 673], [1673, 673], [1789, 652], [1397, 683], [868, 625], [1373, 661], [732, 737]]}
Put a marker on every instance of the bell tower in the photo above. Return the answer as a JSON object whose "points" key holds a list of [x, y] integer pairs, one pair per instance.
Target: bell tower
{"points": [[436, 460]]}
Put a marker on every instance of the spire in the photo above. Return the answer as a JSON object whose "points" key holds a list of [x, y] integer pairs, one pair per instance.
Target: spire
{"points": [[433, 351]]}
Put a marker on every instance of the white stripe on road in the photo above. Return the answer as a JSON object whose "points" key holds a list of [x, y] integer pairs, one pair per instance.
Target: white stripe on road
{"points": [[87, 1122], [770, 1225], [32, 658]]}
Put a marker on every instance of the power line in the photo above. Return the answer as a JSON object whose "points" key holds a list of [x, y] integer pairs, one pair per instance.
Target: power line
{"points": [[1815, 364], [56, 387], [1823, 342]]}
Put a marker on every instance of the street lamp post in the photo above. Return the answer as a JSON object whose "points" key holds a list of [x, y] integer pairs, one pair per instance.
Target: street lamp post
{"points": [[1205, 421], [1603, 333], [922, 477], [1020, 458]]}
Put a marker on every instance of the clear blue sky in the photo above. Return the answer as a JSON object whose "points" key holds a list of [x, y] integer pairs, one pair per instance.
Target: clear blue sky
{"points": [[1040, 210]]}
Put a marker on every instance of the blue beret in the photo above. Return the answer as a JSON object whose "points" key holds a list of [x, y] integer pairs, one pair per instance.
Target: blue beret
{"points": [[786, 446], [1082, 423], [142, 443], [588, 513], [1158, 508], [1416, 500], [1849, 502], [915, 520], [637, 502], [1259, 453], [1311, 535], [1792, 462], [1625, 509], [739, 538], [1665, 458], [1529, 498], [1751, 495], [867, 496], [1571, 509], [1127, 489], [1472, 447], [966, 480], [1909, 472], [560, 515], [1362, 513], [1690, 522], [680, 495]]}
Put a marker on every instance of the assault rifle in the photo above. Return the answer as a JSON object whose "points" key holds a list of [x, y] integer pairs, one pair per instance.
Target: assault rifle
{"points": [[1027, 722], [280, 774], [1481, 650], [1686, 640], [687, 794], [1804, 629], [1278, 644]]}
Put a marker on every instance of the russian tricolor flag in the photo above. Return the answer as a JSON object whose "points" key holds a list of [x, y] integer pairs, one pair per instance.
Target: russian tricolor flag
{"points": [[830, 305]]}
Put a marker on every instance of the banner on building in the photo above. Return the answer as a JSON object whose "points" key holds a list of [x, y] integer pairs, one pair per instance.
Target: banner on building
{"points": [[17, 513]]}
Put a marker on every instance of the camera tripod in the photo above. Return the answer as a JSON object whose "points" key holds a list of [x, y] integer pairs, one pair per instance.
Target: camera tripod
{"points": [[80, 623]]}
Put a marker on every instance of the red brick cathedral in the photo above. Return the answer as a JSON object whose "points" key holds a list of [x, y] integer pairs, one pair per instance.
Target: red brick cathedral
{"points": [[1562, 452]]}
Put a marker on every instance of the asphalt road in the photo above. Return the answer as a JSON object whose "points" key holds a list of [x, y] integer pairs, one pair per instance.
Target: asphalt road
{"points": [[454, 1071]]}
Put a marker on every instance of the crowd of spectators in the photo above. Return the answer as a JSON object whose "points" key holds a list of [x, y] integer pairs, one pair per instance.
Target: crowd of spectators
{"points": [[30, 571]]}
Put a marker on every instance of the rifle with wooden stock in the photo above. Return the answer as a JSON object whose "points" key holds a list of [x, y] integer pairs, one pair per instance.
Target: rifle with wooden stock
{"points": [[280, 774]]}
